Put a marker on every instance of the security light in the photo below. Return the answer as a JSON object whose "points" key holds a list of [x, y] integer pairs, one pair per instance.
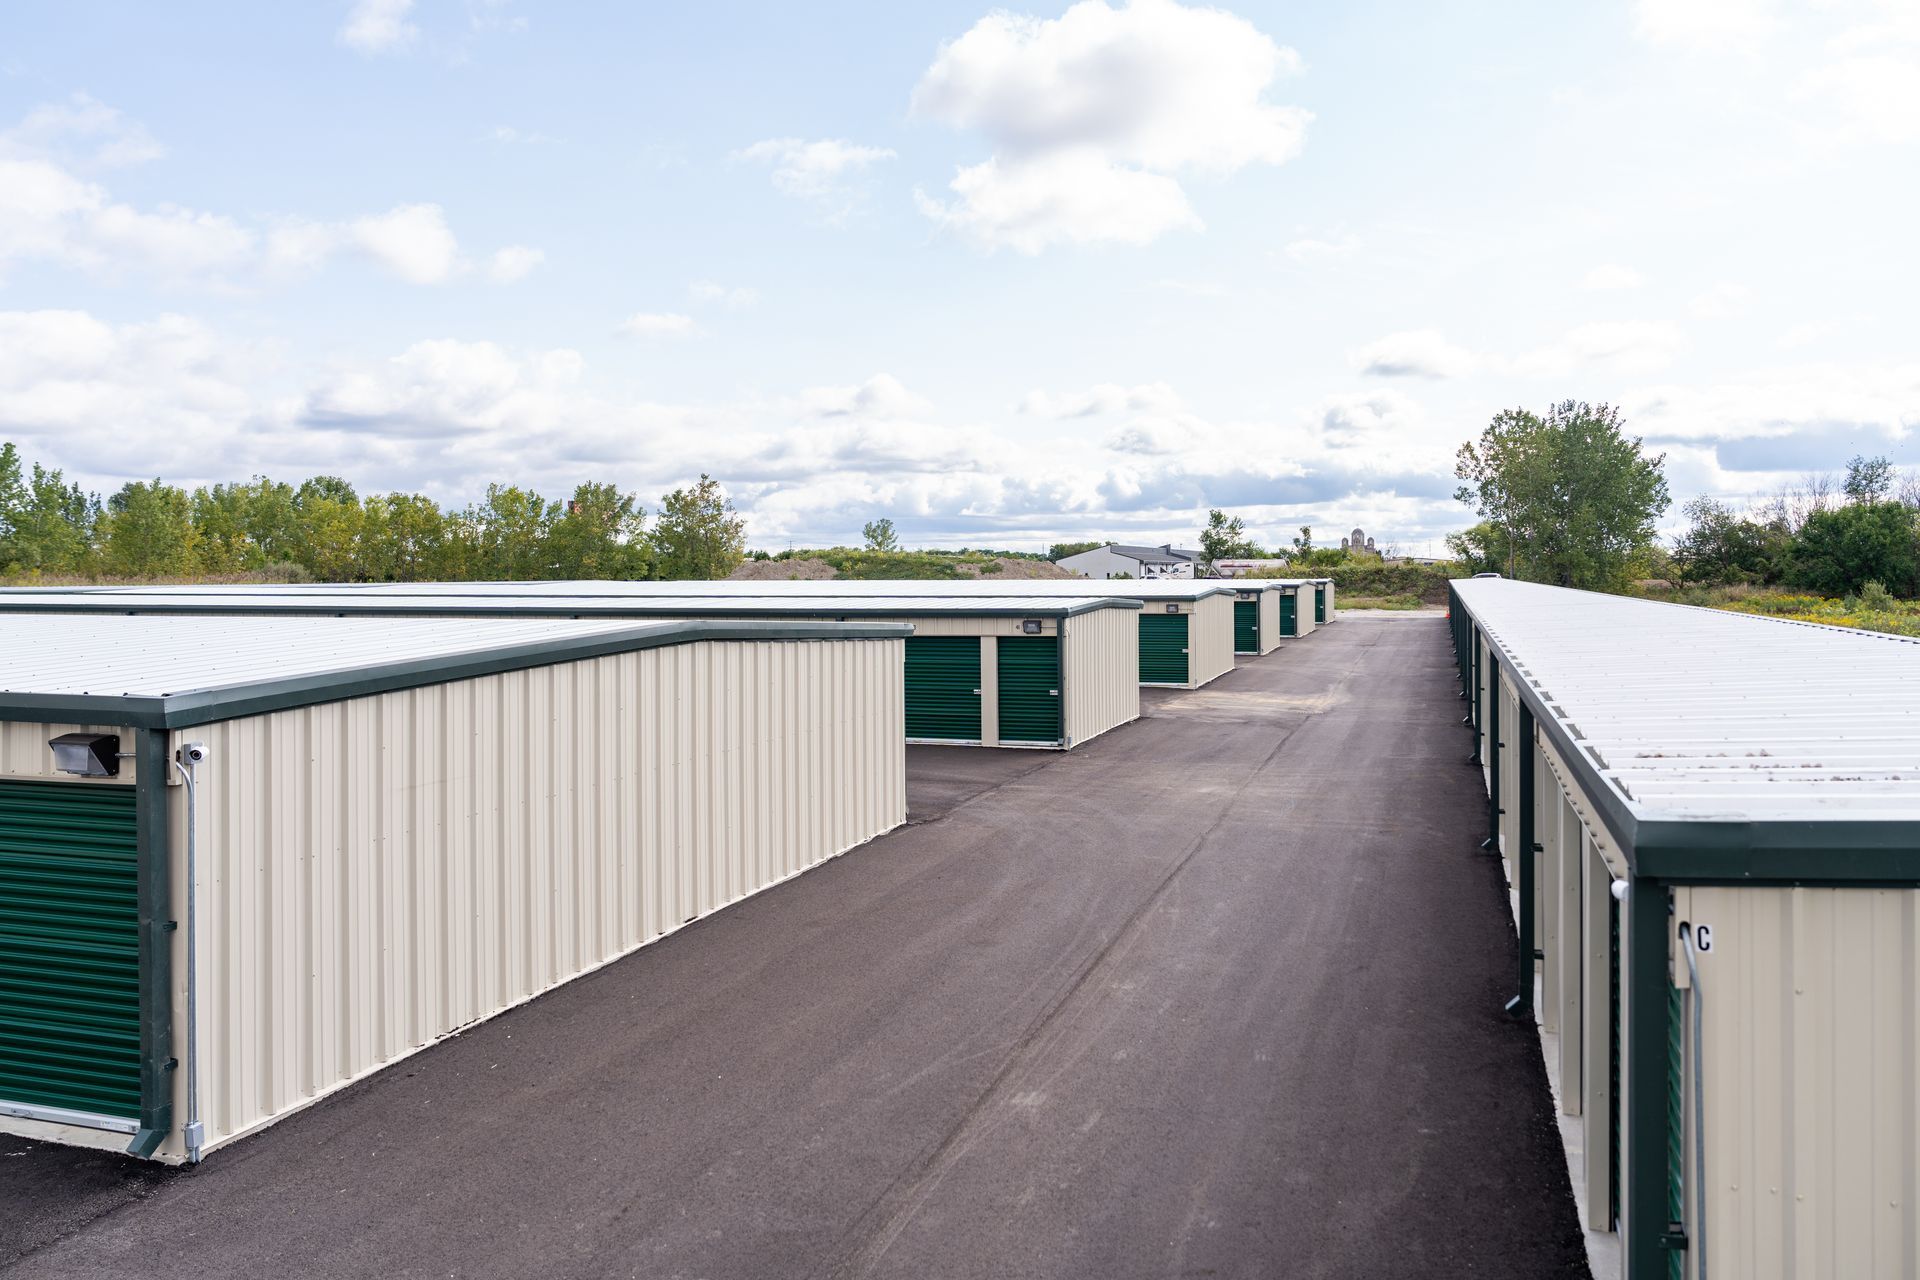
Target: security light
{"points": [[1030, 626], [1172, 607], [89, 755]]}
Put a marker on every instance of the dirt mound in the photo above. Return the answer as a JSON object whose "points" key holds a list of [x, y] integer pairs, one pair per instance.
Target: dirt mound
{"points": [[782, 571]]}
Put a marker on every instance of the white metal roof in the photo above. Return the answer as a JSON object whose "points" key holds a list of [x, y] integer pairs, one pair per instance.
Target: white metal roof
{"points": [[1702, 714], [150, 656], [509, 597]]}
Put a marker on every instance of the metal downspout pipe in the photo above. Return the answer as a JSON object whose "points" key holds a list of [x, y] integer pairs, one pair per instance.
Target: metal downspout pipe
{"points": [[1697, 998], [193, 1133]]}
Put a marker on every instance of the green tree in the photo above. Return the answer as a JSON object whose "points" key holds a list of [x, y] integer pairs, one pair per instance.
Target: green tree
{"points": [[1303, 543], [149, 531], [698, 534], [54, 532], [13, 502], [880, 535], [1722, 547], [601, 535], [405, 537], [1224, 538], [1061, 550], [1868, 479], [1481, 549], [514, 527], [1838, 552], [1573, 494], [329, 529]]}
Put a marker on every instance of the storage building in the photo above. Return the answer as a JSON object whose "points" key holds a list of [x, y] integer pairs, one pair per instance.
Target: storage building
{"points": [[1711, 826], [1000, 671], [1186, 628], [246, 861]]}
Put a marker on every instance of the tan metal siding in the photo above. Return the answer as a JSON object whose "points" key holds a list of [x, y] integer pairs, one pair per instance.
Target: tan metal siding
{"points": [[24, 752], [1102, 660], [377, 873], [1269, 621], [1210, 640], [1812, 1080]]}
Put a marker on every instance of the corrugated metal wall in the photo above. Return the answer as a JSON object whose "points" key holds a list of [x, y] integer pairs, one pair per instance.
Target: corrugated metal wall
{"points": [[377, 873], [24, 752], [1210, 641], [1812, 1058], [1269, 621], [1102, 661]]}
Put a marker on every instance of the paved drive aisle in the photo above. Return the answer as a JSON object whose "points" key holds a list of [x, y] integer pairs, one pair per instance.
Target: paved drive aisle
{"points": [[1217, 995]]}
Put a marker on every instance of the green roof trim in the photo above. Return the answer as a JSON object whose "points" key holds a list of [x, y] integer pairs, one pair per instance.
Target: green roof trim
{"points": [[232, 702]]}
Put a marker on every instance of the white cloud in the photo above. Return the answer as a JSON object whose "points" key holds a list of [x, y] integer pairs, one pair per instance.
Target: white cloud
{"points": [[1416, 353], [513, 263], [1870, 98], [881, 397], [1707, 24], [1105, 398], [412, 241], [1619, 346], [734, 298], [1622, 346], [1073, 197], [827, 173], [658, 324], [1611, 275], [50, 213], [1092, 114], [1721, 301], [1310, 250], [379, 26], [108, 138]]}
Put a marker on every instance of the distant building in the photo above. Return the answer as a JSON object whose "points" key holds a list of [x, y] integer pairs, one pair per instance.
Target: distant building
{"points": [[1251, 568], [1358, 543], [1114, 559]]}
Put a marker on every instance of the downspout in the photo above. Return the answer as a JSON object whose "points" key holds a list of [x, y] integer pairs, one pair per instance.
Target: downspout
{"points": [[194, 1134], [1697, 996]]}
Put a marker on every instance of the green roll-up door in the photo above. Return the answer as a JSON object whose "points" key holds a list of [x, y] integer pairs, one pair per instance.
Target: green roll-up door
{"points": [[943, 688], [1289, 615], [69, 947], [1163, 648], [1029, 668], [1319, 604], [1246, 626]]}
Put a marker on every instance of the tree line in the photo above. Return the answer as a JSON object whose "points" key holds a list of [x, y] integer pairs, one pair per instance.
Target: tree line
{"points": [[1568, 497], [323, 530], [1816, 535]]}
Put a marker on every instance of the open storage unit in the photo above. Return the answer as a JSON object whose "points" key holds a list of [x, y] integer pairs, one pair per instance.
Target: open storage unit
{"points": [[1711, 828], [284, 853], [1001, 671]]}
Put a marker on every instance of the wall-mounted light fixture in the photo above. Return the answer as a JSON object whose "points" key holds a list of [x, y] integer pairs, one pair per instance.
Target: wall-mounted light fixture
{"points": [[1172, 607], [1030, 626], [89, 755]]}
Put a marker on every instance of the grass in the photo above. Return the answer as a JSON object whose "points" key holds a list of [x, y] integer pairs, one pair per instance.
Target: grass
{"points": [[1379, 602], [1872, 610]]}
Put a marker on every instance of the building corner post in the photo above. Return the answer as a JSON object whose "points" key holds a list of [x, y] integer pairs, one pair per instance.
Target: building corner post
{"points": [[156, 943], [1648, 1230]]}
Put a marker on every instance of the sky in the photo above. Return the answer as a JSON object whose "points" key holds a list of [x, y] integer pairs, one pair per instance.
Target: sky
{"points": [[1006, 276]]}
